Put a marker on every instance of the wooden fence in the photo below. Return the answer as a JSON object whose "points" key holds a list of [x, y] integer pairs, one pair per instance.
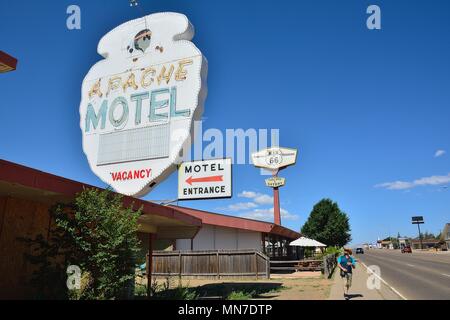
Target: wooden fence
{"points": [[326, 265], [329, 263], [211, 264]]}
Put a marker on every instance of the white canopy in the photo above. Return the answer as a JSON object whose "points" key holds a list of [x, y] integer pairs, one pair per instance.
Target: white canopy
{"points": [[306, 242]]}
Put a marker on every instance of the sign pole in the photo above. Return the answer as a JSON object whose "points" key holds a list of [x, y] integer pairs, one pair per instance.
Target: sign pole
{"points": [[418, 220], [275, 159], [420, 237], [276, 203]]}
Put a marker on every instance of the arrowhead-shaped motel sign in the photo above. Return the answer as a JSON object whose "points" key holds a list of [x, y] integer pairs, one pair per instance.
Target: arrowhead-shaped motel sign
{"points": [[139, 103], [274, 158]]}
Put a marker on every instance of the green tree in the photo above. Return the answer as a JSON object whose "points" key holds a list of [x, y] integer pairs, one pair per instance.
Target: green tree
{"points": [[328, 224], [96, 233], [428, 235]]}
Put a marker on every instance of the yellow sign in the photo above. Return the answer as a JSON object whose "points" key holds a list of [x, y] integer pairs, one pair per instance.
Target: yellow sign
{"points": [[275, 182]]}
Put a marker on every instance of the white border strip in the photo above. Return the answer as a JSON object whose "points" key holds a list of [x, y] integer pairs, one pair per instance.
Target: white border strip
{"points": [[382, 280]]}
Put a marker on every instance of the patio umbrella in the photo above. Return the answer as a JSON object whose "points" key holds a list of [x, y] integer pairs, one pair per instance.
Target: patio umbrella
{"points": [[306, 242]]}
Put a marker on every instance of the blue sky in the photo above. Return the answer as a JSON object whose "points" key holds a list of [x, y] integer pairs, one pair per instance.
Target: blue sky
{"points": [[364, 107]]}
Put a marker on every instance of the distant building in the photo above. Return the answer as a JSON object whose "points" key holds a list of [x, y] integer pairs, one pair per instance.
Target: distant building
{"points": [[387, 244], [379, 244], [403, 242], [446, 235], [426, 243]]}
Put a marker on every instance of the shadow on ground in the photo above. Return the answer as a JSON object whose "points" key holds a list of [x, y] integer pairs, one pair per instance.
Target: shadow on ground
{"points": [[237, 290], [213, 291], [352, 296]]}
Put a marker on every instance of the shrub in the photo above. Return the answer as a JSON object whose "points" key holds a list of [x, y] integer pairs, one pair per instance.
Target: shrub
{"points": [[96, 233], [241, 295], [167, 291]]}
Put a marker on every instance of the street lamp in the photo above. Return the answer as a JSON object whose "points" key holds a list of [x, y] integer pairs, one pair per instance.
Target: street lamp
{"points": [[418, 220], [7, 63]]}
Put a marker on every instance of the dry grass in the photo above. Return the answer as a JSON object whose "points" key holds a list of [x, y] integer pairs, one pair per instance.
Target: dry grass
{"points": [[304, 288]]}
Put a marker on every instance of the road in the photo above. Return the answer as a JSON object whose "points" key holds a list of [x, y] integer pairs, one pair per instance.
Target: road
{"points": [[416, 276]]}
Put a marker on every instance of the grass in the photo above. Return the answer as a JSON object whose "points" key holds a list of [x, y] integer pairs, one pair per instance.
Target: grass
{"points": [[240, 295], [238, 290], [166, 291]]}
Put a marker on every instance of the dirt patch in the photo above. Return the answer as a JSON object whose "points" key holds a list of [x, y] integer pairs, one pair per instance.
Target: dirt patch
{"points": [[305, 289], [313, 288]]}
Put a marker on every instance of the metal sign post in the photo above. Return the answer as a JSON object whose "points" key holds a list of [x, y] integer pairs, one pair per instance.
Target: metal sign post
{"points": [[275, 159], [276, 202], [418, 220]]}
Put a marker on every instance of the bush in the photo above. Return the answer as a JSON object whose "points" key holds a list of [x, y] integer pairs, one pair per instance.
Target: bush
{"points": [[333, 250], [95, 233], [140, 290], [241, 295], [167, 291]]}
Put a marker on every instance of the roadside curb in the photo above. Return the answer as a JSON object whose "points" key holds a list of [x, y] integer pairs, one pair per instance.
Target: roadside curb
{"points": [[382, 280]]}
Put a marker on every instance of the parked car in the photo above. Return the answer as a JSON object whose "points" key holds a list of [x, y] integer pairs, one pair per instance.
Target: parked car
{"points": [[359, 250], [406, 249]]}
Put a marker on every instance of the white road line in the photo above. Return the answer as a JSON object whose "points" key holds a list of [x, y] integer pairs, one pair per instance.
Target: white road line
{"points": [[411, 265], [382, 280], [447, 275]]}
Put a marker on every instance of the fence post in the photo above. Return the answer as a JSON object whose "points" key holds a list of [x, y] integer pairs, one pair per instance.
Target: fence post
{"points": [[218, 265], [256, 264], [181, 264], [329, 263]]}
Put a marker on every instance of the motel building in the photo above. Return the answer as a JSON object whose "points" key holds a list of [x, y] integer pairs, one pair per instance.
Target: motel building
{"points": [[233, 233], [181, 241]]}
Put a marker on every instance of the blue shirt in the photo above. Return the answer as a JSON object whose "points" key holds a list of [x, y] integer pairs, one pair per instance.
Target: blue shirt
{"points": [[342, 260]]}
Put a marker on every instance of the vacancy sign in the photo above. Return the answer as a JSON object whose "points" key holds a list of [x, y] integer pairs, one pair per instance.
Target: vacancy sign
{"points": [[207, 179]]}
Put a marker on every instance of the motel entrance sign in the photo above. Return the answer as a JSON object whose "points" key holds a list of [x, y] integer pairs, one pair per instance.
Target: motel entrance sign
{"points": [[207, 179]]}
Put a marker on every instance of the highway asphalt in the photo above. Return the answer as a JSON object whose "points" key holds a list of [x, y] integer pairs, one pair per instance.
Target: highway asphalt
{"points": [[416, 276]]}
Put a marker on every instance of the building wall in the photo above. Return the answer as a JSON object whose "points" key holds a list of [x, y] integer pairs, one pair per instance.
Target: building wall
{"points": [[19, 218], [212, 238]]}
